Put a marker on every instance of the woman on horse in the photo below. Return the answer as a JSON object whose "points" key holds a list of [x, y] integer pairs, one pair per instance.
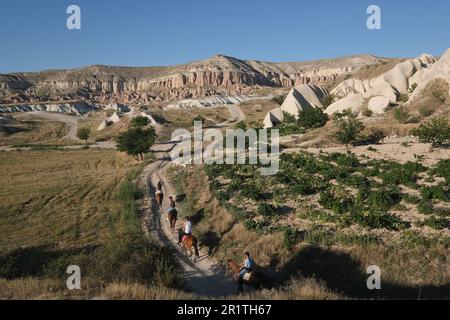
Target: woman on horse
{"points": [[246, 267], [187, 230]]}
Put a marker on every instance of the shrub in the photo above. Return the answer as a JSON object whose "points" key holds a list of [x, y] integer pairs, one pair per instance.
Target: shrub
{"points": [[383, 199], [441, 95], [426, 111], [140, 122], [291, 237], [279, 99], [403, 97], [367, 113], [312, 118], [374, 219], [437, 192], [435, 223], [240, 125], [425, 207], [83, 133], [349, 127], [442, 169], [327, 100], [401, 115], [436, 132], [266, 209]]}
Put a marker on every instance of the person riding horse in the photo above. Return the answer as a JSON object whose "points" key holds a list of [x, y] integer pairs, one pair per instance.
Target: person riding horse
{"points": [[246, 267], [187, 230]]}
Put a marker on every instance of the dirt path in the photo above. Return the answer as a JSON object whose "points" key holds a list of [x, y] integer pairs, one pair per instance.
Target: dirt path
{"points": [[71, 122], [204, 277]]}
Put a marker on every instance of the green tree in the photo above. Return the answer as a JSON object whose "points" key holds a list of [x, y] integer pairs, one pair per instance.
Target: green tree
{"points": [[436, 132], [83, 133], [140, 121], [136, 141], [312, 118], [349, 127]]}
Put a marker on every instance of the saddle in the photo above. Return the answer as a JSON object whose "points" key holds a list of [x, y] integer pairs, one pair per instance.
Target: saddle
{"points": [[248, 276], [185, 237]]}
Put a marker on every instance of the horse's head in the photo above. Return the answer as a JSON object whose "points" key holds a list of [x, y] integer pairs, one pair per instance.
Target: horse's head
{"points": [[232, 265]]}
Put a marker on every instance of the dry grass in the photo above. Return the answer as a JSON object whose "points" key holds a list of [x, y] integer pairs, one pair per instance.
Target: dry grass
{"points": [[376, 70], [184, 119], [25, 130], [93, 121], [61, 198], [255, 112]]}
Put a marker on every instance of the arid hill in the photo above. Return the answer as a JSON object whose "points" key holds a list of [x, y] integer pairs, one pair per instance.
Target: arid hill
{"points": [[152, 85]]}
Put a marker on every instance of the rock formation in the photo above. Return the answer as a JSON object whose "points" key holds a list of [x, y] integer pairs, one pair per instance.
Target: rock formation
{"points": [[381, 91], [298, 99], [440, 70], [218, 75]]}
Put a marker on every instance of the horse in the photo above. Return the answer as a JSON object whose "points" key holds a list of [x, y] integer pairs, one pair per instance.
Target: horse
{"points": [[257, 279], [159, 198], [172, 216], [187, 243]]}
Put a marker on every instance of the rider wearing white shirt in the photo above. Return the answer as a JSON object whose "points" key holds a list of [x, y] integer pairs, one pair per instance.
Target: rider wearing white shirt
{"points": [[187, 229]]}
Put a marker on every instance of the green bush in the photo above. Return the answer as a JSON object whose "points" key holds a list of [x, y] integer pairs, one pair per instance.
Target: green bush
{"points": [[403, 97], [401, 115], [291, 237], [442, 169], [435, 223], [312, 118], [349, 127], [266, 209], [425, 207], [436, 132], [83, 133], [140, 122], [426, 111]]}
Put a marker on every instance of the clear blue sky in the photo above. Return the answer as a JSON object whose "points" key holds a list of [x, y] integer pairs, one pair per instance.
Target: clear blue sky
{"points": [[33, 34]]}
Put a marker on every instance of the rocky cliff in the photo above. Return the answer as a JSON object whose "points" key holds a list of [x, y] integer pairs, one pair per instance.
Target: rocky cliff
{"points": [[153, 85]]}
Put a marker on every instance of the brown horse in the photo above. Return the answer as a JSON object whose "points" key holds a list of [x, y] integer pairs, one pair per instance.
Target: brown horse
{"points": [[257, 279], [172, 216], [159, 198], [187, 243]]}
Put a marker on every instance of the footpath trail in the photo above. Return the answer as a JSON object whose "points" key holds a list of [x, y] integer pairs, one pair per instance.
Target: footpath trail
{"points": [[205, 277]]}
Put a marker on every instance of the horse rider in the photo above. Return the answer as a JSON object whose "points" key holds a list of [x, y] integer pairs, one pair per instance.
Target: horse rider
{"points": [[171, 203], [187, 229], [246, 267]]}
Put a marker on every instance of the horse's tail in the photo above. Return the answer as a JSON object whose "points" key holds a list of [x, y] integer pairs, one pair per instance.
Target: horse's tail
{"points": [[195, 244]]}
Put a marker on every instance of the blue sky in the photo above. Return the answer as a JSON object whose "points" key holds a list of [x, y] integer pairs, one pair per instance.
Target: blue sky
{"points": [[33, 34]]}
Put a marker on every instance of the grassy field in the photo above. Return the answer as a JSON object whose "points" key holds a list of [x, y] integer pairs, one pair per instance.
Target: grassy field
{"points": [[25, 130], [75, 207]]}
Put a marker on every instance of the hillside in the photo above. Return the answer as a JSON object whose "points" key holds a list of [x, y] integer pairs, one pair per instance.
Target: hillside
{"points": [[153, 85]]}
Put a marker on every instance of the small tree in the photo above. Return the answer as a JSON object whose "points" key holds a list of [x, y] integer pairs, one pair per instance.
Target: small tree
{"points": [[140, 122], [436, 132], [136, 141], [312, 118], [349, 127], [83, 133]]}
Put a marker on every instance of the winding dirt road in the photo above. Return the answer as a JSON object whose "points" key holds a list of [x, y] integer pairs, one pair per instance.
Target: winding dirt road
{"points": [[204, 277]]}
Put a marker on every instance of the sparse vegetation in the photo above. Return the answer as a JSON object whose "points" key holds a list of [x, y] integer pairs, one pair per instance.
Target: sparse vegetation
{"points": [[436, 132]]}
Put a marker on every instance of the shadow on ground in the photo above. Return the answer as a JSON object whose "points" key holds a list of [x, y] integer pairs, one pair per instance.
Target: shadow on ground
{"points": [[344, 274]]}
